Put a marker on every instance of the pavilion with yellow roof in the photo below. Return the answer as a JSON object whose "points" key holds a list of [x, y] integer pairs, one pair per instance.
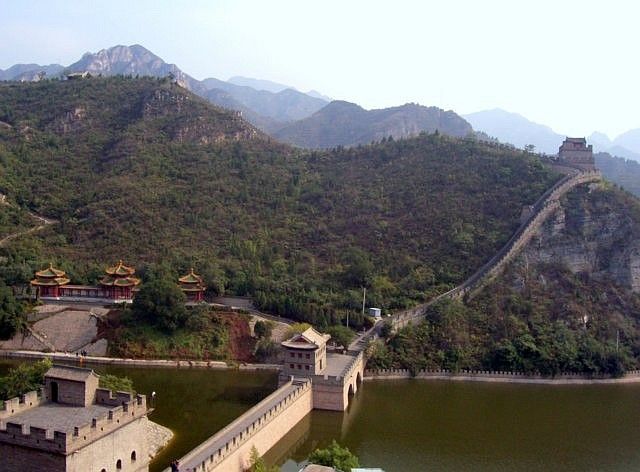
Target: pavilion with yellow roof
{"points": [[192, 286], [117, 285], [119, 282], [48, 282]]}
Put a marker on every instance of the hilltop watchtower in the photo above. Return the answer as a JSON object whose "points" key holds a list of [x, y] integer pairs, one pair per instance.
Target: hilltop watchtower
{"points": [[575, 152]]}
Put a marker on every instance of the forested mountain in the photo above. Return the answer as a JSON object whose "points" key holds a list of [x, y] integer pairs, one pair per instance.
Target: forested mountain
{"points": [[142, 169], [568, 303], [347, 124]]}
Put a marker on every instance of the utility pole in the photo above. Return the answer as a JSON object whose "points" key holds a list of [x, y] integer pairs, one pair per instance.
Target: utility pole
{"points": [[364, 298]]}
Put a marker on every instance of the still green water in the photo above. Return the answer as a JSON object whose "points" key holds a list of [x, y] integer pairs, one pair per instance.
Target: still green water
{"points": [[408, 426]]}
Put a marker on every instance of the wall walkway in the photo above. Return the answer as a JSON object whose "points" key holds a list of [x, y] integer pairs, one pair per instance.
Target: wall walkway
{"points": [[261, 427]]}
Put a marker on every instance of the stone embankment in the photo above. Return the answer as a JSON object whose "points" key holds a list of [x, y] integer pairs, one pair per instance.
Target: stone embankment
{"points": [[167, 363], [546, 205], [566, 378]]}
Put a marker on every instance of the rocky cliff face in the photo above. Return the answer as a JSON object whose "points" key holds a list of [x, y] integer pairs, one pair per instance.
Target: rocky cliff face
{"points": [[596, 231]]}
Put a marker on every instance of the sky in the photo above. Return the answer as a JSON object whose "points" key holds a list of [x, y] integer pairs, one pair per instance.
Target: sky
{"points": [[572, 65]]}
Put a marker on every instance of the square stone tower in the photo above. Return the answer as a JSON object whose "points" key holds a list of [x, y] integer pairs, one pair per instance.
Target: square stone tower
{"points": [[576, 153], [305, 353]]}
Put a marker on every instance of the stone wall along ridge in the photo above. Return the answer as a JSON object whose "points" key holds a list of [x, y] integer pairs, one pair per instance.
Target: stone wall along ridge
{"points": [[544, 207]]}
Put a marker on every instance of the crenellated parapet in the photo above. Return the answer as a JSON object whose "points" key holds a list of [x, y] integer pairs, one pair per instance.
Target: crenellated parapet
{"points": [[123, 409], [17, 405]]}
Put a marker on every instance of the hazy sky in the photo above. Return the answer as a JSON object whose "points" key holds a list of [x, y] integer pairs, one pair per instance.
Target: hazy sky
{"points": [[573, 65]]}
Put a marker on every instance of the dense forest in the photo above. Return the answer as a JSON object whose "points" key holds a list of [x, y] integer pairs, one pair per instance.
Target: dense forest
{"points": [[540, 316], [143, 170]]}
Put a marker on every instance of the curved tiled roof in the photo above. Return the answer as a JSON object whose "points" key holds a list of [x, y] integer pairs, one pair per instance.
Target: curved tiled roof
{"points": [[120, 269], [50, 272], [51, 282], [120, 281], [190, 278]]}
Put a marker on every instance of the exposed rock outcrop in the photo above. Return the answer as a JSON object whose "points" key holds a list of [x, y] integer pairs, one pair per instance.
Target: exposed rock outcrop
{"points": [[589, 233]]}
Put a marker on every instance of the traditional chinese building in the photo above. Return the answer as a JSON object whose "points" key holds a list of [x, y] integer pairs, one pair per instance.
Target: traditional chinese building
{"points": [[119, 282], [48, 282], [192, 286], [117, 285]]}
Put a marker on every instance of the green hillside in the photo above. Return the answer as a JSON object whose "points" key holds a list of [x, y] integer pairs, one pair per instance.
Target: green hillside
{"points": [[143, 170], [547, 315]]}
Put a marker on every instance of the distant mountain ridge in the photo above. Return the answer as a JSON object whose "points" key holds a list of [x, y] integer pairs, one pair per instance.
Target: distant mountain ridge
{"points": [[260, 107], [346, 124], [517, 130], [29, 72]]}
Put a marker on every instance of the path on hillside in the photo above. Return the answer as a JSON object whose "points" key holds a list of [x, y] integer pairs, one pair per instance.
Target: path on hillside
{"points": [[43, 223], [544, 207]]}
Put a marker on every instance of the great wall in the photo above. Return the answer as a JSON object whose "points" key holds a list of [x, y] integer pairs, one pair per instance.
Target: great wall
{"points": [[544, 207]]}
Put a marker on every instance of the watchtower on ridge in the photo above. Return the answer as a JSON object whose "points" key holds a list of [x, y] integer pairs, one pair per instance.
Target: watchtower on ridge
{"points": [[575, 152]]}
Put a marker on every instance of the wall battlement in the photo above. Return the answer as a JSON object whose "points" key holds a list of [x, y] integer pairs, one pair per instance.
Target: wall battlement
{"points": [[25, 402], [126, 408]]}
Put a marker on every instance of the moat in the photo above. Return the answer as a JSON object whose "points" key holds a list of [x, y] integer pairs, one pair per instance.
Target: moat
{"points": [[416, 425]]}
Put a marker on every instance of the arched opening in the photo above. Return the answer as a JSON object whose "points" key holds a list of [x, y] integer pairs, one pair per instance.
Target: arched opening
{"points": [[351, 393], [358, 380], [133, 456], [119, 464], [54, 392], [103, 470]]}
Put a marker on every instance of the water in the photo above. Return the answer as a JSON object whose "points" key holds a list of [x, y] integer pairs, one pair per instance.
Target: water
{"points": [[409, 426]]}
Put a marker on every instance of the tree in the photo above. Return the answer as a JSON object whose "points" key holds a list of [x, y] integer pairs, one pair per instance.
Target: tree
{"points": [[530, 148], [116, 384], [258, 464], [341, 335], [297, 328], [263, 329], [160, 302], [24, 378], [12, 313], [335, 456]]}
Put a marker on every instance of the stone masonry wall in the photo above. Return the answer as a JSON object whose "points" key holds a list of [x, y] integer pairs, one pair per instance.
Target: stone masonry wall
{"points": [[24, 459], [119, 445], [260, 427]]}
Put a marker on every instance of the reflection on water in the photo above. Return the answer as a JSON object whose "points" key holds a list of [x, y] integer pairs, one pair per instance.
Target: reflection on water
{"points": [[408, 426]]}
